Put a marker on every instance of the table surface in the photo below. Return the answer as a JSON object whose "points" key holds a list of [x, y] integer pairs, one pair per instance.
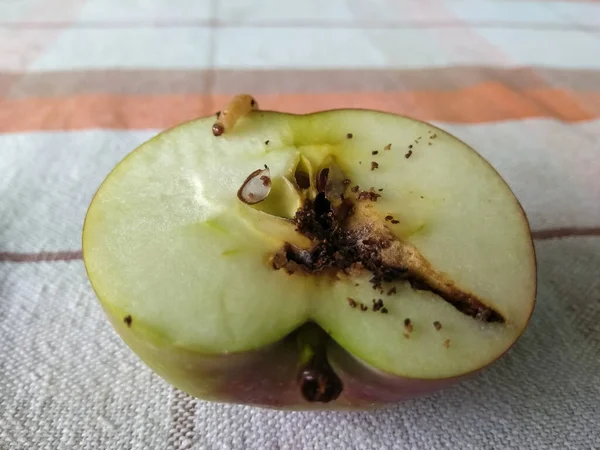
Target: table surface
{"points": [[82, 82]]}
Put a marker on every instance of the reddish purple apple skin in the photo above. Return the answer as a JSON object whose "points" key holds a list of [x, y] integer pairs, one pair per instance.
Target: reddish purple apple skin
{"points": [[269, 377]]}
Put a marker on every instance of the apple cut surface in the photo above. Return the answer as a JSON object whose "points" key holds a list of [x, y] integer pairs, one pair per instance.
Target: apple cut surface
{"points": [[185, 268]]}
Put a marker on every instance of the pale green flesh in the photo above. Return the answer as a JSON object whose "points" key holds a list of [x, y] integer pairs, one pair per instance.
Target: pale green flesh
{"points": [[168, 242]]}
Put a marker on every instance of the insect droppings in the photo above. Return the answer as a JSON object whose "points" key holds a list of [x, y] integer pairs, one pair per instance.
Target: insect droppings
{"points": [[377, 304], [349, 136], [408, 155], [388, 147], [128, 319], [437, 325], [374, 165]]}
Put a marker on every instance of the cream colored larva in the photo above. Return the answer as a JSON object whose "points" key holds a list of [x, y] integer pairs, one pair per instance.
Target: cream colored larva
{"points": [[239, 106]]}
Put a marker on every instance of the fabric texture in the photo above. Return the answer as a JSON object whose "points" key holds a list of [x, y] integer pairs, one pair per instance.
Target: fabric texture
{"points": [[83, 82]]}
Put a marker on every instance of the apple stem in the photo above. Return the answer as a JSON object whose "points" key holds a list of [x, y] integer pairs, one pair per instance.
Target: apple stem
{"points": [[318, 382]]}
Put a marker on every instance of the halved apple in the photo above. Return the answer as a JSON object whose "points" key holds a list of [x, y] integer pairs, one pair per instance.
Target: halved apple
{"points": [[341, 259]]}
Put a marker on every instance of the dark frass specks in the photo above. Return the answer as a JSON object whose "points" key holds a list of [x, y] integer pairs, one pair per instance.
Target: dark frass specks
{"points": [[377, 304], [128, 320], [437, 325]]}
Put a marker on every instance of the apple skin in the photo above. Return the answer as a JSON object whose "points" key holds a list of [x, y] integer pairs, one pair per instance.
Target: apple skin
{"points": [[268, 377]]}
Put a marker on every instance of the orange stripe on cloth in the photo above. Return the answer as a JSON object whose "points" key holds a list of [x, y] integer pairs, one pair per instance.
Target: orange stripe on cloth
{"points": [[485, 102]]}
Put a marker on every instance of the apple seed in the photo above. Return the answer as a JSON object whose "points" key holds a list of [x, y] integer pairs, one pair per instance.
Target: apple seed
{"points": [[256, 187]]}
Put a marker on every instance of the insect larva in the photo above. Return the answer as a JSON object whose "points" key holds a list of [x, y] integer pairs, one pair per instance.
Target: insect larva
{"points": [[241, 105]]}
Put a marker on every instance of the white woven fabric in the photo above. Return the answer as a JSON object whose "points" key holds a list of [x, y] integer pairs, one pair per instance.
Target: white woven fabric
{"points": [[68, 382], [82, 82]]}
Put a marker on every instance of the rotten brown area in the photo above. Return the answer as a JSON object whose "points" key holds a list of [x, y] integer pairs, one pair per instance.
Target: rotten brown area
{"points": [[349, 237]]}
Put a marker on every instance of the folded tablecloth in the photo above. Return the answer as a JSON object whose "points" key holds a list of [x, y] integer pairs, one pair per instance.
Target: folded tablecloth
{"points": [[82, 82]]}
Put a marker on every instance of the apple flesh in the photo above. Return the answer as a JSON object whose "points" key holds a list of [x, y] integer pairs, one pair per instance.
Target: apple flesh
{"points": [[383, 259]]}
